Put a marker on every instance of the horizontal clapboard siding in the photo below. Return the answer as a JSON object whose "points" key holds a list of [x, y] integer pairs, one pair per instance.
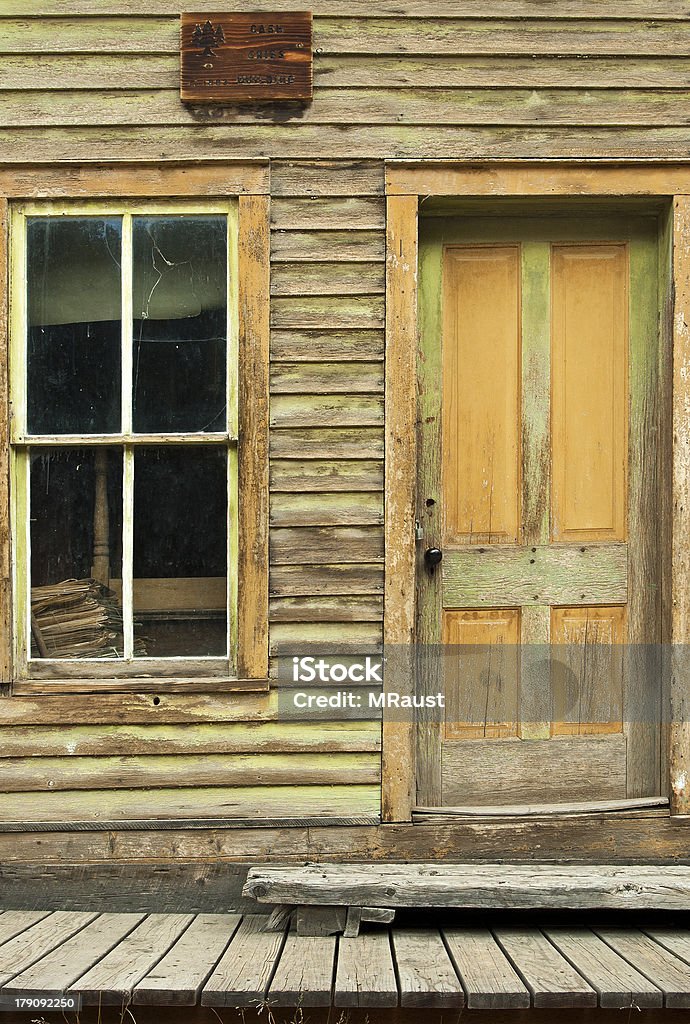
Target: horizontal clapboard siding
{"points": [[406, 81]]}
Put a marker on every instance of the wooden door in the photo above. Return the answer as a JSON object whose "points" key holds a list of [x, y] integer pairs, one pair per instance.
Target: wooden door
{"points": [[539, 427]]}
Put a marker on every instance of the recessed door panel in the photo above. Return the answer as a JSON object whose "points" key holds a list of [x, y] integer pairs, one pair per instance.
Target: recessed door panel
{"points": [[481, 358], [589, 358]]}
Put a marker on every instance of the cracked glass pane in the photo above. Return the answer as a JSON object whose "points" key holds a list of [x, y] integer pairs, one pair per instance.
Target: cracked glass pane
{"points": [[74, 314], [180, 323]]}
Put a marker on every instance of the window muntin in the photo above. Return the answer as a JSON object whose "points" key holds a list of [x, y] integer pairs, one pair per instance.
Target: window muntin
{"points": [[154, 293]]}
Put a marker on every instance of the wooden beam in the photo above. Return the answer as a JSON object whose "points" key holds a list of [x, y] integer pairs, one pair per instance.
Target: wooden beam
{"points": [[679, 732], [546, 178], [562, 886], [83, 180], [254, 332], [400, 471]]}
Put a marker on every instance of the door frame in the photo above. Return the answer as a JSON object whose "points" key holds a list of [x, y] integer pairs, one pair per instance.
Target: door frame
{"points": [[407, 184]]}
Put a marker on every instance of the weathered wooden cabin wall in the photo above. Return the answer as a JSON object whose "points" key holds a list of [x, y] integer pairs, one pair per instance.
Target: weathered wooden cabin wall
{"points": [[86, 80]]}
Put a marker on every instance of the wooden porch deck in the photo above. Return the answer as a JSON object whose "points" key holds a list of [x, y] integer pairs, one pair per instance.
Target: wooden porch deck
{"points": [[227, 960]]}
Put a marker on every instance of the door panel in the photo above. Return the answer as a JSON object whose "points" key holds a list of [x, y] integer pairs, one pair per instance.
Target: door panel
{"points": [[538, 351], [481, 394], [488, 708], [589, 392]]}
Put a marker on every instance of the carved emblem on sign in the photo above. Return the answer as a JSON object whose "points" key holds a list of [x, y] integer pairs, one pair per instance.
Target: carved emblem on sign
{"points": [[242, 58], [207, 36]]}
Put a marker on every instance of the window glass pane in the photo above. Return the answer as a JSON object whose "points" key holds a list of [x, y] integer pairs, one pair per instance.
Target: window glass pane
{"points": [[180, 304], [74, 315], [76, 552], [180, 538]]}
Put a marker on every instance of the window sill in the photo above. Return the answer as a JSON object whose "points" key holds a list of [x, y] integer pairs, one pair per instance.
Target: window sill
{"points": [[52, 687]]}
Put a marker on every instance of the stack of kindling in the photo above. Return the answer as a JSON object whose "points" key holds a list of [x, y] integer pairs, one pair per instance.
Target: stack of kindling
{"points": [[75, 619]]}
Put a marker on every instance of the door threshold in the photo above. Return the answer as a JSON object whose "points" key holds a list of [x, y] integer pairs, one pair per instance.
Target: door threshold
{"points": [[646, 803]]}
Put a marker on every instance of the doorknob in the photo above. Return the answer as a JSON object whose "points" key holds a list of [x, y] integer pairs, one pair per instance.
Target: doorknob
{"points": [[432, 557]]}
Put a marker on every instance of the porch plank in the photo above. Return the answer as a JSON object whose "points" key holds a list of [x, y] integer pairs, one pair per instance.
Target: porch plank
{"points": [[242, 975], [486, 974], [365, 975], [12, 922], [179, 977], [552, 981], [657, 963], [111, 981], [304, 976], [72, 958], [425, 972], [617, 983], [30, 945]]}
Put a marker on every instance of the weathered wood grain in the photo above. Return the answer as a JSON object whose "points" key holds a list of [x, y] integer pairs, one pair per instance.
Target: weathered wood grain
{"points": [[568, 574], [328, 213], [552, 981], [339, 311], [5, 581], [364, 106], [48, 145], [327, 278], [326, 378], [253, 399], [654, 961], [326, 609], [488, 978], [40, 741], [325, 637], [12, 922], [365, 975], [242, 975], [326, 544], [350, 178], [679, 733], [255, 802], [178, 978], [339, 509], [161, 71], [426, 976], [154, 179], [112, 979], [316, 580], [511, 179], [354, 245], [573, 36], [670, 9], [52, 774], [30, 945], [323, 344], [326, 443], [60, 968], [400, 475], [616, 982], [620, 838], [304, 976], [292, 475], [539, 771]]}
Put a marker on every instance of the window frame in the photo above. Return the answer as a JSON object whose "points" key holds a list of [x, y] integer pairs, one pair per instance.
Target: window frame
{"points": [[200, 189]]}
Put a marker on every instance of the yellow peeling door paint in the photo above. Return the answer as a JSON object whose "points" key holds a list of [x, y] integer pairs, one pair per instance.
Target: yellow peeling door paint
{"points": [[532, 456]]}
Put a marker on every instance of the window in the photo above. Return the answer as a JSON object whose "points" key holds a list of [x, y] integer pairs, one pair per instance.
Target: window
{"points": [[125, 455]]}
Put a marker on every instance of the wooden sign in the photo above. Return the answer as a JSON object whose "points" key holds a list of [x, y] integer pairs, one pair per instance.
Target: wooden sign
{"points": [[243, 58]]}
